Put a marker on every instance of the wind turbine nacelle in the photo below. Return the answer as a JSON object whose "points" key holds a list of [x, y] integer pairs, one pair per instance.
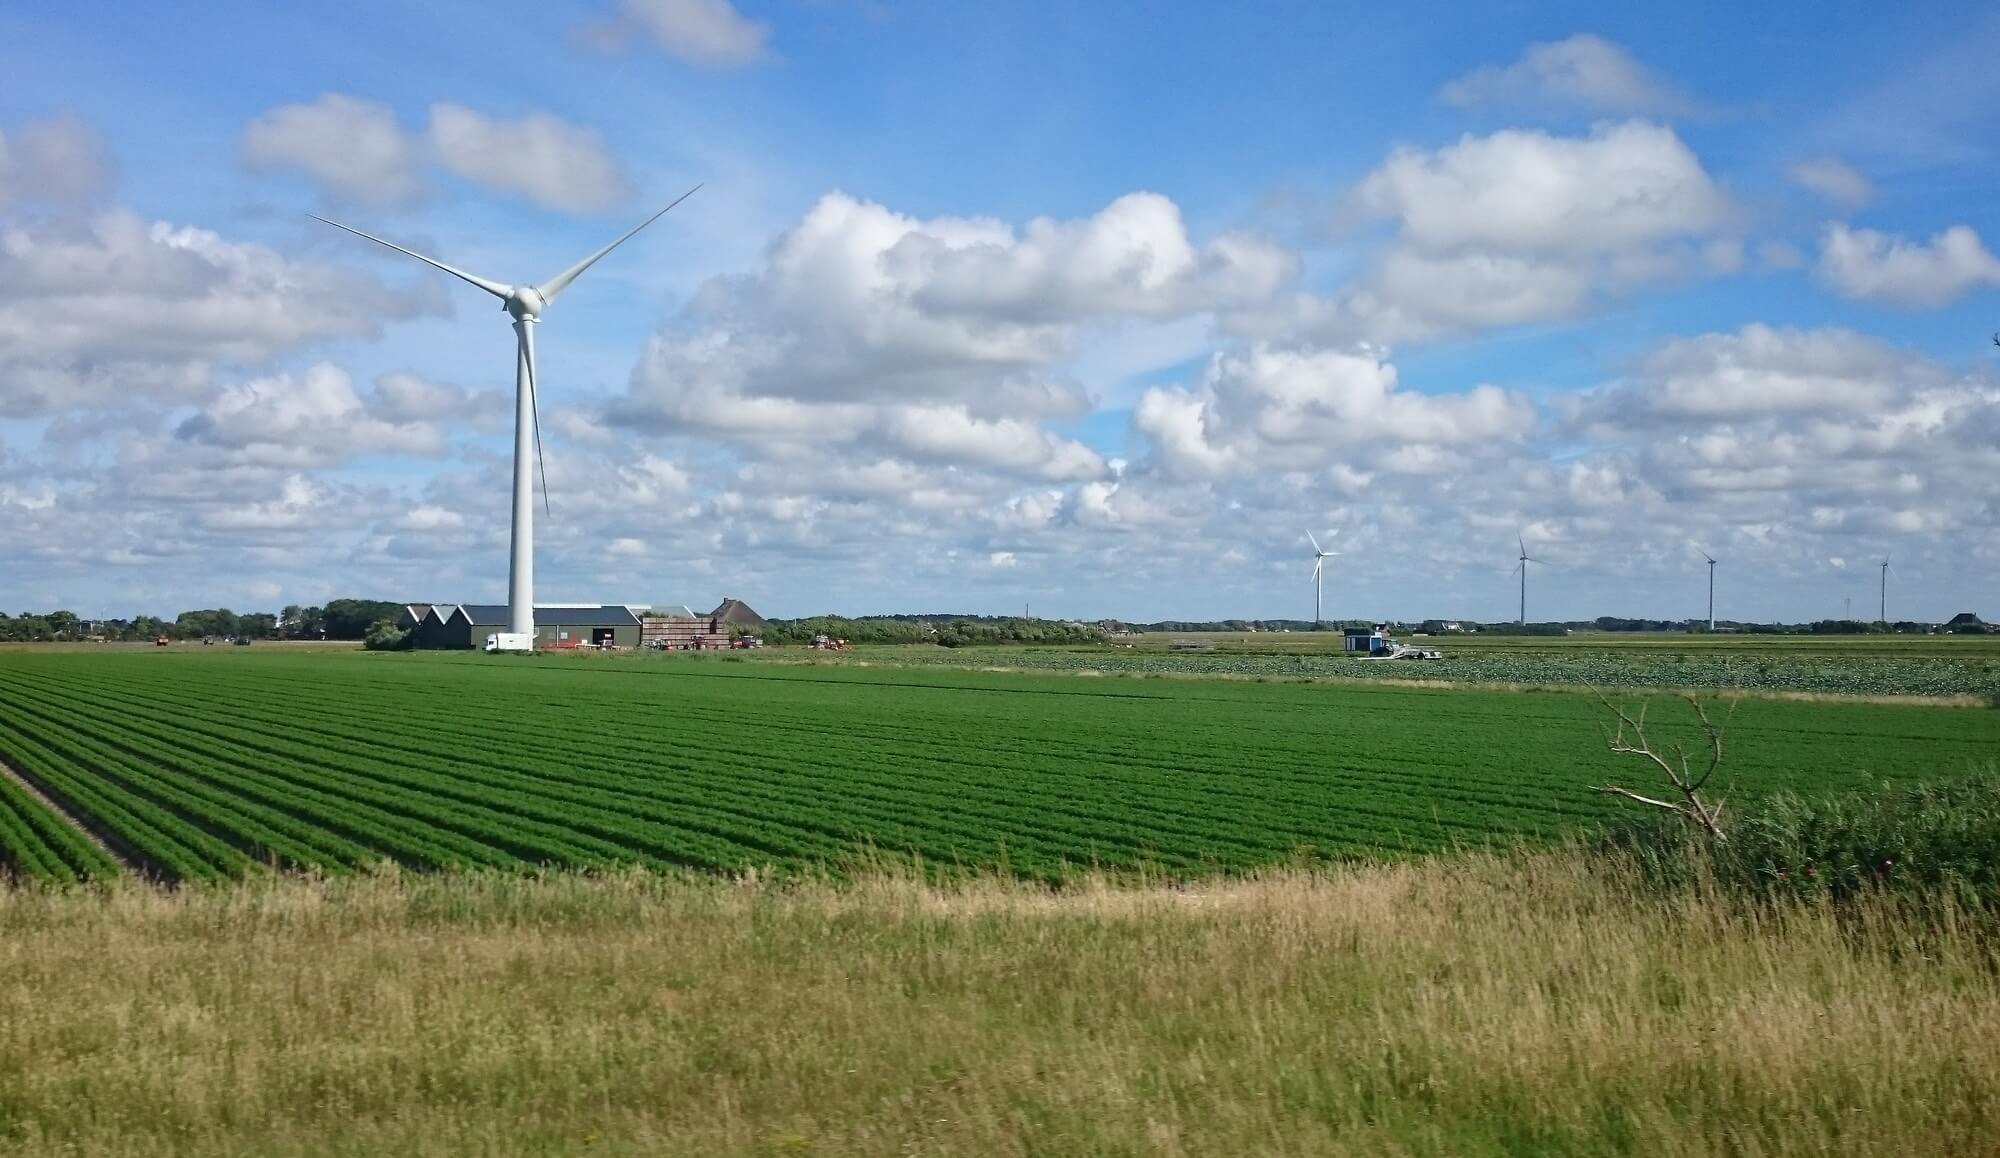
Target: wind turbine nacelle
{"points": [[524, 301]]}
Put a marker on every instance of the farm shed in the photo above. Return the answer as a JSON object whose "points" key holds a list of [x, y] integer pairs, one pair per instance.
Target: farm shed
{"points": [[556, 625], [430, 629]]}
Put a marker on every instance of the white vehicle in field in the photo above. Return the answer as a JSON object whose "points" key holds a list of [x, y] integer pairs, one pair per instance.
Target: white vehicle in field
{"points": [[510, 641], [1376, 643], [1396, 650]]}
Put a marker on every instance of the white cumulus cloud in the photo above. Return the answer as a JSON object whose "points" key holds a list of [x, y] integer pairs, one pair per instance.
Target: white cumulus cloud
{"points": [[119, 307], [1518, 226], [1871, 266], [312, 418], [1277, 409], [1760, 370], [1835, 180], [930, 341], [354, 148], [705, 32], [541, 157], [1583, 70], [1626, 184], [60, 161]]}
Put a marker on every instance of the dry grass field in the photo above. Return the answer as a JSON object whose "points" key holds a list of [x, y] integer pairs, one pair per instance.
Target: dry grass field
{"points": [[1481, 1005]]}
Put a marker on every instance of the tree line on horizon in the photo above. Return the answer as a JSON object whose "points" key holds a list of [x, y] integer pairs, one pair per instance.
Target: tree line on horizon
{"points": [[343, 619], [353, 619]]}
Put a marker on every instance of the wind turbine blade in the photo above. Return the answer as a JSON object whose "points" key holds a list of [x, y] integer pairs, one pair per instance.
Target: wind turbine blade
{"points": [[555, 285], [526, 330], [1524, 545], [1314, 542], [492, 287]]}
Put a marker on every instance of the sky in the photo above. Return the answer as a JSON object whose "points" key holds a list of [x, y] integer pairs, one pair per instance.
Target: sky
{"points": [[1094, 309]]}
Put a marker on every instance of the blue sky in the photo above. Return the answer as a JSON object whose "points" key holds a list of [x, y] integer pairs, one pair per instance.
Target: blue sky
{"points": [[1096, 307]]}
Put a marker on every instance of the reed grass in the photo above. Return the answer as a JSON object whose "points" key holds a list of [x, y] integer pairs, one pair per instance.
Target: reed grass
{"points": [[1545, 1003]]}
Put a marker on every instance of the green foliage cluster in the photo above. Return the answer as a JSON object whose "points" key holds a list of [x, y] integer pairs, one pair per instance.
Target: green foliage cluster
{"points": [[946, 631], [1929, 839], [339, 619], [384, 635], [224, 622], [55, 626], [218, 763]]}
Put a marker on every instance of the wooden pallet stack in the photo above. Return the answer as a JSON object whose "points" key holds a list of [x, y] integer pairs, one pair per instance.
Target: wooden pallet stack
{"points": [[680, 632]]}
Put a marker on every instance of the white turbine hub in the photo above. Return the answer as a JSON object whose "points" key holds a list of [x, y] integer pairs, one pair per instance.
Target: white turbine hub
{"points": [[524, 301]]}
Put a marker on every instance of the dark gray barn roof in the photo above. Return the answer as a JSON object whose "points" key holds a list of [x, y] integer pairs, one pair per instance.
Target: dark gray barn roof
{"points": [[495, 615]]}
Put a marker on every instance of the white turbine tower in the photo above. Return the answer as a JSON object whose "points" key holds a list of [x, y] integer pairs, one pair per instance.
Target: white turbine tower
{"points": [[1711, 588], [524, 303], [1320, 556], [1885, 593]]}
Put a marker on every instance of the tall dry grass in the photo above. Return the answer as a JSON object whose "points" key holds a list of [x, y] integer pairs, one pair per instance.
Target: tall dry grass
{"points": [[1486, 1005]]}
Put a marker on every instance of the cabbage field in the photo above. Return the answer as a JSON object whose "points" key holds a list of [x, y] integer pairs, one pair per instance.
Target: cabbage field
{"points": [[194, 764], [1973, 674]]}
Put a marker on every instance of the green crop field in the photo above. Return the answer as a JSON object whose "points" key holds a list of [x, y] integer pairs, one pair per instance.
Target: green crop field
{"points": [[197, 764]]}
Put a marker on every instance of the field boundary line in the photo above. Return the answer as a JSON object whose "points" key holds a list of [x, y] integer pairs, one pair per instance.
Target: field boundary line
{"points": [[78, 824]]}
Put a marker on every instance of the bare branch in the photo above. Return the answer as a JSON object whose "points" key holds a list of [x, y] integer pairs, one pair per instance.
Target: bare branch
{"points": [[1685, 781], [1627, 793]]}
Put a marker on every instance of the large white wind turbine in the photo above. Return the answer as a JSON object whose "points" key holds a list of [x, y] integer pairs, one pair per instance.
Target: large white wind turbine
{"points": [[524, 303], [1320, 556]]}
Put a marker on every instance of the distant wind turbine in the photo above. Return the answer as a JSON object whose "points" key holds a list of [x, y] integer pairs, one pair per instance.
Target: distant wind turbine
{"points": [[1711, 587], [525, 304], [1885, 591], [1320, 556], [1522, 567]]}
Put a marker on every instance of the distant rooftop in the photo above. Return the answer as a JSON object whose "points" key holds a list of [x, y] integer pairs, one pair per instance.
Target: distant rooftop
{"points": [[554, 615]]}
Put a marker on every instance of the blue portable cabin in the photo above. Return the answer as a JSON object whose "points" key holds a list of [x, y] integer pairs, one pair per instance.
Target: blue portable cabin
{"points": [[1373, 641]]}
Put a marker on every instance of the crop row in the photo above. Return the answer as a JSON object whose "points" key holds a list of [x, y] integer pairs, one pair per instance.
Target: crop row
{"points": [[39, 845]]}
